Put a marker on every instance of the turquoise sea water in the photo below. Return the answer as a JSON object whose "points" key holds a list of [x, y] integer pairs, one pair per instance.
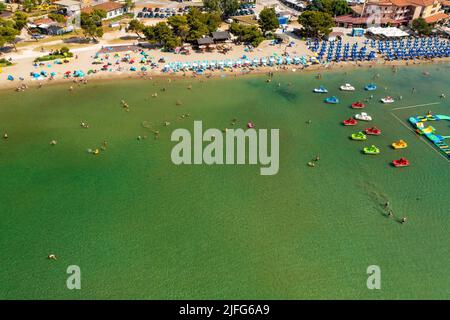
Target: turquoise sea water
{"points": [[140, 227]]}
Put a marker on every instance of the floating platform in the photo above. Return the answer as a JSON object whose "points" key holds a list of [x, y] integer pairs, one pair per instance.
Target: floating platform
{"points": [[419, 122]]}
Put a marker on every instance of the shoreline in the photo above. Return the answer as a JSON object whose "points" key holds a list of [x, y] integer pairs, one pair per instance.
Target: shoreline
{"points": [[6, 85]]}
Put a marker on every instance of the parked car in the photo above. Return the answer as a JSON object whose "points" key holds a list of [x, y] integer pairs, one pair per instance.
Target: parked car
{"points": [[37, 36]]}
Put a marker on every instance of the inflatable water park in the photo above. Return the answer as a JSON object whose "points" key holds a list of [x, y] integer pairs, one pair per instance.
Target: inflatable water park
{"points": [[420, 123]]}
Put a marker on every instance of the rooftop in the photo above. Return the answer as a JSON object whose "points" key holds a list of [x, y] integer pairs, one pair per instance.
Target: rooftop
{"points": [[436, 17], [43, 21], [67, 3], [403, 3], [205, 40], [350, 19], [221, 35], [106, 6]]}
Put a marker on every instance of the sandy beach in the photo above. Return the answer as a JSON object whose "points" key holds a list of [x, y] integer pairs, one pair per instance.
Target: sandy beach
{"points": [[24, 65]]}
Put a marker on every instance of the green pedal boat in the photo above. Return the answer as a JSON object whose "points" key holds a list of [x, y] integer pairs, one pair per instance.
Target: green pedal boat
{"points": [[360, 136], [371, 150]]}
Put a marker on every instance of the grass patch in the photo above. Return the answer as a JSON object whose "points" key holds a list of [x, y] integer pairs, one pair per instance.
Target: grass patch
{"points": [[119, 18], [51, 57], [5, 63], [48, 39]]}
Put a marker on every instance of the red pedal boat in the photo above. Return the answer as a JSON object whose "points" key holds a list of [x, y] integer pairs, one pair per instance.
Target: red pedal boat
{"points": [[350, 122], [373, 131], [402, 162], [358, 105]]}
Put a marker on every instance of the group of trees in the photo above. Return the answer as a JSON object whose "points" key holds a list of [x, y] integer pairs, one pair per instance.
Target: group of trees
{"points": [[421, 26], [332, 7], [29, 5], [247, 33], [10, 29], [196, 24], [177, 29], [224, 7], [316, 24], [317, 21], [91, 23], [268, 20]]}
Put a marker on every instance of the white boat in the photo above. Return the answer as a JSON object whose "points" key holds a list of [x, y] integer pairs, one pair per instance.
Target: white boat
{"points": [[363, 116], [321, 89], [387, 100], [347, 87]]}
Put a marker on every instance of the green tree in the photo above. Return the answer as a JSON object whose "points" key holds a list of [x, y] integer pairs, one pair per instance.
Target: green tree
{"points": [[129, 4], [8, 33], [64, 51], [268, 20], [247, 34], [29, 5], [135, 26], [211, 20], [2, 7], [224, 7], [421, 26], [212, 5], [197, 26], [20, 20], [340, 7], [179, 25], [91, 23], [316, 24], [332, 7], [162, 35], [57, 17]]}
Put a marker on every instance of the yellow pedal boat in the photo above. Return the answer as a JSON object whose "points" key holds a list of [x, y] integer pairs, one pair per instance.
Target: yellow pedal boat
{"points": [[400, 144]]}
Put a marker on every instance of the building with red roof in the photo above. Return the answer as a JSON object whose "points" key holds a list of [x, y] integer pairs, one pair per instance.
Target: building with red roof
{"points": [[394, 13]]}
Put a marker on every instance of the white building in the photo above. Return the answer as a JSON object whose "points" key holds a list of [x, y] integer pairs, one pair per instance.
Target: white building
{"points": [[112, 9], [71, 7]]}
